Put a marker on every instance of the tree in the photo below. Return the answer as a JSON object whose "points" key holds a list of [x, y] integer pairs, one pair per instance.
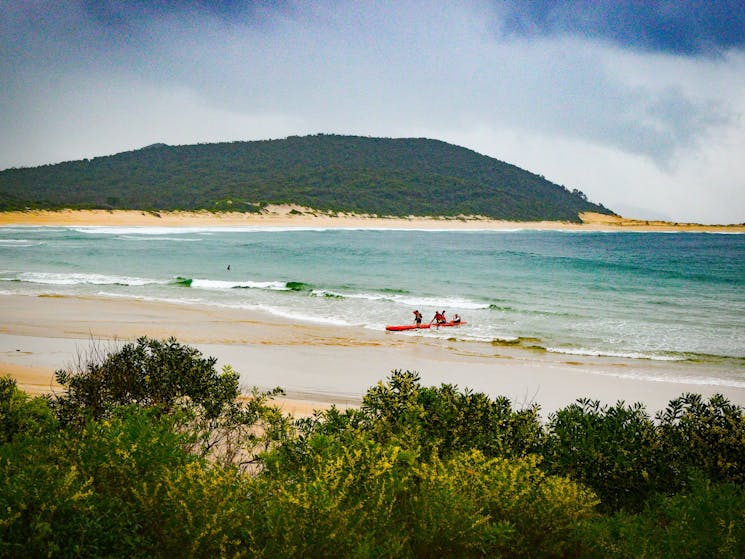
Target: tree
{"points": [[148, 373], [173, 379]]}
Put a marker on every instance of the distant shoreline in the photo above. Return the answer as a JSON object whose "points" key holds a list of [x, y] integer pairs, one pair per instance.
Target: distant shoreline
{"points": [[294, 216]]}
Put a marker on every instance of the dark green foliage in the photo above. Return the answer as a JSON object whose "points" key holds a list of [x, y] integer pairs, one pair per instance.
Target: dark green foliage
{"points": [[431, 420], [172, 378], [121, 487], [613, 450], [627, 458], [703, 436], [448, 420], [21, 415], [398, 177], [707, 521], [354, 497], [149, 373], [415, 472]]}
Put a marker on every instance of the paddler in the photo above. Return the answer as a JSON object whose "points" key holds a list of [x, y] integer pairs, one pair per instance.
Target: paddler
{"points": [[439, 318], [418, 318]]}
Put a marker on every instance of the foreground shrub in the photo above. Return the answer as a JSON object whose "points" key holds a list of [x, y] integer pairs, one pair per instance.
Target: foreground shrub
{"points": [[342, 503], [614, 450], [354, 497], [628, 458], [516, 509], [705, 436], [174, 379], [123, 486], [21, 415], [708, 521], [415, 472], [441, 419], [149, 373]]}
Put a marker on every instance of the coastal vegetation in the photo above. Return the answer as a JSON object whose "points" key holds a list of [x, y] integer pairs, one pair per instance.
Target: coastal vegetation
{"points": [[151, 452], [331, 173]]}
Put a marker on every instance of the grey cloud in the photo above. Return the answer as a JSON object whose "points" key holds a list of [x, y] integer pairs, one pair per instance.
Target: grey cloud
{"points": [[74, 80]]}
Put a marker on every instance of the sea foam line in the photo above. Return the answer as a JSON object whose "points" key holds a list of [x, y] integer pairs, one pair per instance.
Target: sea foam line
{"points": [[675, 379], [619, 354], [58, 278], [222, 284], [19, 242], [275, 311]]}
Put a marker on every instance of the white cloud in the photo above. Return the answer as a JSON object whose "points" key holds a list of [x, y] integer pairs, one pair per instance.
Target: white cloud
{"points": [[629, 128]]}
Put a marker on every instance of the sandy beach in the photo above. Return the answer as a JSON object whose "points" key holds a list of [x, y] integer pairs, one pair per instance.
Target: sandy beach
{"points": [[295, 216], [318, 365]]}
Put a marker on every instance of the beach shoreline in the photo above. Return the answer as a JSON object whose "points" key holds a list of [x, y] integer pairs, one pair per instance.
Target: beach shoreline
{"points": [[320, 365], [289, 216]]}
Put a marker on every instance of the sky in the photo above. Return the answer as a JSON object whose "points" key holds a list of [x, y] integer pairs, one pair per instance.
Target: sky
{"points": [[639, 104]]}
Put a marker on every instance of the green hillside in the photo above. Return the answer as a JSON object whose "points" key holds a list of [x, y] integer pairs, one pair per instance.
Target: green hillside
{"points": [[394, 177]]}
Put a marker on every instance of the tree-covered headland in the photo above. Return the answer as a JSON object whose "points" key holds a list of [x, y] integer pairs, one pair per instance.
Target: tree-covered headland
{"points": [[380, 176], [151, 452]]}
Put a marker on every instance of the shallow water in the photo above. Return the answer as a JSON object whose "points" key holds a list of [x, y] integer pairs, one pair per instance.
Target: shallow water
{"points": [[641, 296]]}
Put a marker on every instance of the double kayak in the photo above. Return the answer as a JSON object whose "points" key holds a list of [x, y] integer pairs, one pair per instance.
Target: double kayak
{"points": [[422, 326]]}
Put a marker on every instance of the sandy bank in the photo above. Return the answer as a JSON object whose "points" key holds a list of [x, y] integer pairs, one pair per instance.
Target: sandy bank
{"points": [[292, 216], [318, 365]]}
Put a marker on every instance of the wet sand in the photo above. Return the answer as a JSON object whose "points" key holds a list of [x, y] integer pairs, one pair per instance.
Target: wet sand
{"points": [[321, 365]]}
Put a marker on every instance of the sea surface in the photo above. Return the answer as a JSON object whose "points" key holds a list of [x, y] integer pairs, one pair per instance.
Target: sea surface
{"points": [[677, 297]]}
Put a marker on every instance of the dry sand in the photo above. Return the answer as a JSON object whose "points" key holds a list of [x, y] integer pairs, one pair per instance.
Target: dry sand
{"points": [[320, 365], [295, 216]]}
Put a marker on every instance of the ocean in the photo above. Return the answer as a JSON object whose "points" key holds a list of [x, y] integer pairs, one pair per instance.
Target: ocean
{"points": [[649, 297]]}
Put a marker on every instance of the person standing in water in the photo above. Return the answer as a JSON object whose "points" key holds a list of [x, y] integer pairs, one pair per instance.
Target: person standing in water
{"points": [[439, 318], [418, 318]]}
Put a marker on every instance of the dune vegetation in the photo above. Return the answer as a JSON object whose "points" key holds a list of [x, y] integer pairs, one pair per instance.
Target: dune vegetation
{"points": [[152, 452]]}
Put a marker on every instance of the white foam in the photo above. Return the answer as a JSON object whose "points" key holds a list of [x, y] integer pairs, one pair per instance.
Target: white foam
{"points": [[363, 296], [676, 379], [222, 284], [54, 278], [619, 354], [439, 303], [166, 239], [144, 230], [302, 317], [19, 243]]}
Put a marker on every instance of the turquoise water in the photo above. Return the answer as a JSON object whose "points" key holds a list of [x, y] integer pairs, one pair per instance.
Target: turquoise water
{"points": [[646, 296]]}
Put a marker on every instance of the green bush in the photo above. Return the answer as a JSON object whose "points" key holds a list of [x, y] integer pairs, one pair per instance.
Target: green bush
{"points": [[170, 468], [443, 420], [702, 436], [614, 450], [509, 506], [21, 415], [149, 373], [344, 502], [354, 497], [122, 486], [174, 379], [708, 521]]}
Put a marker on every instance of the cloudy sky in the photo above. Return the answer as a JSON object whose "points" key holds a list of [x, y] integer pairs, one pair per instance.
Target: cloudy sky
{"points": [[641, 105]]}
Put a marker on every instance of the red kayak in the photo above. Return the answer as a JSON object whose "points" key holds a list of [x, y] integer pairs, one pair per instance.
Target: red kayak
{"points": [[422, 326]]}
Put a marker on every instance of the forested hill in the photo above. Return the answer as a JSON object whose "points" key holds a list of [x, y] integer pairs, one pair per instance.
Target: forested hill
{"points": [[395, 177]]}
